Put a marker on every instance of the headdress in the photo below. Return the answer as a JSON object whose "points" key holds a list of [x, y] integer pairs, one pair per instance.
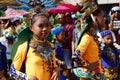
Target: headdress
{"points": [[36, 6], [87, 7], [105, 33], [57, 30], [9, 32]]}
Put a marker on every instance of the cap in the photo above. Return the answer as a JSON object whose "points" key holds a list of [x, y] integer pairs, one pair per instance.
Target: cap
{"points": [[56, 31], [105, 33]]}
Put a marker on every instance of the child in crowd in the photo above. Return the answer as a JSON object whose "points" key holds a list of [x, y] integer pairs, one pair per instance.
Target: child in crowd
{"points": [[59, 39], [39, 58], [110, 55]]}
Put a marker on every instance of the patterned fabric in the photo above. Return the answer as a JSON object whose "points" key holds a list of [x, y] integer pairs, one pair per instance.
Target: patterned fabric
{"points": [[15, 75], [35, 64], [109, 59], [85, 73], [90, 54], [44, 50], [105, 33]]}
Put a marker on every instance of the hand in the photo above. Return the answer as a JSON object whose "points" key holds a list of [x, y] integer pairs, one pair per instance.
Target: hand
{"points": [[92, 66], [56, 74], [112, 17], [32, 78]]}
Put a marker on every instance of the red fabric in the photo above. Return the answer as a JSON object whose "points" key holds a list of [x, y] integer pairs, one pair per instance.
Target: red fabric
{"points": [[68, 36], [63, 8]]}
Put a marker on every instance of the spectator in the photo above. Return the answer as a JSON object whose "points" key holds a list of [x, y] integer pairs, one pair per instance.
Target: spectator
{"points": [[59, 39], [114, 22], [110, 55]]}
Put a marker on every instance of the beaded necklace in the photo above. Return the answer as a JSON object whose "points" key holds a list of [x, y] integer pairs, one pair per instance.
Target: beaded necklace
{"points": [[45, 50]]}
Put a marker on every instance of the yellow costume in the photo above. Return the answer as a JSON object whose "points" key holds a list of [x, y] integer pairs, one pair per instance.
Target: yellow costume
{"points": [[89, 51], [35, 65]]}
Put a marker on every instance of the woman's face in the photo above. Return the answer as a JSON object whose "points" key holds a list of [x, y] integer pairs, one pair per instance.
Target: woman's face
{"points": [[101, 20], [41, 27]]}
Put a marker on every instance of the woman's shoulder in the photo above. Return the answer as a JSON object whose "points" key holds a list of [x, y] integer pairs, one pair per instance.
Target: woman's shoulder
{"points": [[87, 35], [23, 45]]}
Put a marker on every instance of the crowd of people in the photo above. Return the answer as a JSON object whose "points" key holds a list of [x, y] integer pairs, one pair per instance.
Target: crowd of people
{"points": [[63, 46]]}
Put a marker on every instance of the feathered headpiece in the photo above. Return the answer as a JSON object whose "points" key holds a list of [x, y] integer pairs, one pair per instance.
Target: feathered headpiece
{"points": [[36, 7], [88, 6]]}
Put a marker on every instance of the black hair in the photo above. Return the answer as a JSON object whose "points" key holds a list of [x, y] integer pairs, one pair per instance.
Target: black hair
{"points": [[34, 18], [97, 12], [89, 21]]}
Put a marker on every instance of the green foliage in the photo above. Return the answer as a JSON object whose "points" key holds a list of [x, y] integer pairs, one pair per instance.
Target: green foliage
{"points": [[2, 13], [80, 15], [51, 19]]}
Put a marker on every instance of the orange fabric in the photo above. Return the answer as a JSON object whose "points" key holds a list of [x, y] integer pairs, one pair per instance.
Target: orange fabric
{"points": [[89, 50], [84, 79], [34, 63]]}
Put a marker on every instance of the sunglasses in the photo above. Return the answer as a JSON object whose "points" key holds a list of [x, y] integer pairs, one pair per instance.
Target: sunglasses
{"points": [[115, 11]]}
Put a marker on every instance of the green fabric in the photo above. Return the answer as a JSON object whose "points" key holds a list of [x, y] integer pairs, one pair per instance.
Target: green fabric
{"points": [[82, 74], [50, 37], [82, 32], [23, 36]]}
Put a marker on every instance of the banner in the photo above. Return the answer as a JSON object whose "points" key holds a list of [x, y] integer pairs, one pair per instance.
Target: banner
{"points": [[48, 4]]}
